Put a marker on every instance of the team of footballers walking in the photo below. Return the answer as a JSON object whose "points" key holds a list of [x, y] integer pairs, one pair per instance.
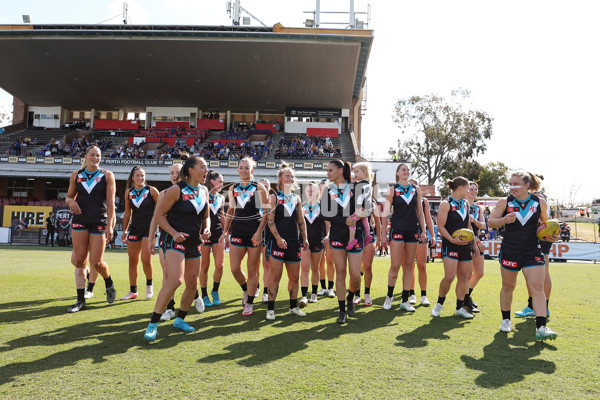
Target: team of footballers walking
{"points": [[340, 219]]}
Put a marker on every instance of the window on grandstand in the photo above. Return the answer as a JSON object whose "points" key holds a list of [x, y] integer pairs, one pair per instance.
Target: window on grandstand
{"points": [[19, 187], [182, 119], [87, 115], [56, 189]]}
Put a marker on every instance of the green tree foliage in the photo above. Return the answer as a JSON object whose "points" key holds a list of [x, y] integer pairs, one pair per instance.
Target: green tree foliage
{"points": [[492, 178], [437, 133]]}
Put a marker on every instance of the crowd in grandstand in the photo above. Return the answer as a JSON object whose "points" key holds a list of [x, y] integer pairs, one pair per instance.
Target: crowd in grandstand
{"points": [[306, 147]]}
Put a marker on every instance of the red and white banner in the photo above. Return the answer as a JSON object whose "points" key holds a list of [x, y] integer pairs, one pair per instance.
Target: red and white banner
{"points": [[560, 250]]}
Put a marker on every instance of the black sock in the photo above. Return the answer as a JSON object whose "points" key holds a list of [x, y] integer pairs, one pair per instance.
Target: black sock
{"points": [[171, 305], [80, 295], [181, 314], [271, 305], [322, 283], [530, 303], [459, 304], [87, 276], [304, 290], [148, 282], [390, 291], [411, 292], [244, 287], [216, 286], [441, 300], [423, 293], [204, 292], [90, 287], [266, 290], [133, 289], [250, 300], [357, 293], [405, 294], [350, 296], [329, 284], [470, 291], [108, 282], [367, 290], [467, 299], [506, 314], [257, 288], [540, 321], [293, 303], [547, 301], [342, 305], [315, 289], [196, 295], [155, 318]]}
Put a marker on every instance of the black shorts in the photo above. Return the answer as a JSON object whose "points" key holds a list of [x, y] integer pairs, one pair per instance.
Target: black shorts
{"points": [[292, 254], [136, 234], [242, 240], [406, 236], [456, 252], [95, 228], [189, 248], [545, 246], [341, 245], [314, 245], [517, 261], [214, 238]]}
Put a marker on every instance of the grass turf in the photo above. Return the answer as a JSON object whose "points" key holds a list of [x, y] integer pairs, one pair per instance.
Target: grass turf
{"points": [[100, 352]]}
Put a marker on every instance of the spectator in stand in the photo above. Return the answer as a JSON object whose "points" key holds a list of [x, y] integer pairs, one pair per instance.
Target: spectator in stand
{"points": [[565, 232]]}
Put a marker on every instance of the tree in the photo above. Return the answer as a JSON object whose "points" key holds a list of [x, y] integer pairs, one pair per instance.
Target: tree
{"points": [[491, 178], [438, 133]]}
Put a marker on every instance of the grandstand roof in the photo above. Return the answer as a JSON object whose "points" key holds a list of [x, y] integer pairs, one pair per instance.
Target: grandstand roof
{"points": [[108, 67]]}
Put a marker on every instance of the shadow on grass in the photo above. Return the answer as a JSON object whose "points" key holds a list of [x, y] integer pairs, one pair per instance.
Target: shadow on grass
{"points": [[31, 310], [281, 345], [435, 329], [114, 336], [509, 358]]}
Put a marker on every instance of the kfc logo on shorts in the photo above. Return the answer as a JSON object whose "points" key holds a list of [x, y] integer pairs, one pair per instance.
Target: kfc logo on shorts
{"points": [[299, 254], [512, 264], [277, 253], [235, 240], [397, 236], [132, 237], [336, 244], [160, 244], [101, 228], [199, 247], [77, 226], [539, 259], [179, 247], [416, 235], [453, 254], [358, 246]]}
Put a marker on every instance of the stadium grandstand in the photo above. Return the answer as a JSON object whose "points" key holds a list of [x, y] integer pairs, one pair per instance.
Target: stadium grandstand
{"points": [[144, 94]]}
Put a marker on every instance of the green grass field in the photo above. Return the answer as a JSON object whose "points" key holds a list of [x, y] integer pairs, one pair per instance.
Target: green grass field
{"points": [[100, 352]]}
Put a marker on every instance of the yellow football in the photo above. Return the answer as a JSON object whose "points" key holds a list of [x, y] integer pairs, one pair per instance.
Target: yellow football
{"points": [[548, 228], [463, 234]]}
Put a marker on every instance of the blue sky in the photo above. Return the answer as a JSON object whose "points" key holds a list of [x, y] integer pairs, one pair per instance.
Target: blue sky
{"points": [[532, 65]]}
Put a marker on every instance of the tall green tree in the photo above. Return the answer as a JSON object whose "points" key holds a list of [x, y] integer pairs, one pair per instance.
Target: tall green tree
{"points": [[492, 177], [437, 133]]}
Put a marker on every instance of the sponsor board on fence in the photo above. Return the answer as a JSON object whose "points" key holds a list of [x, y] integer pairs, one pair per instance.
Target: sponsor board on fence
{"points": [[150, 162], [559, 250], [35, 216]]}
